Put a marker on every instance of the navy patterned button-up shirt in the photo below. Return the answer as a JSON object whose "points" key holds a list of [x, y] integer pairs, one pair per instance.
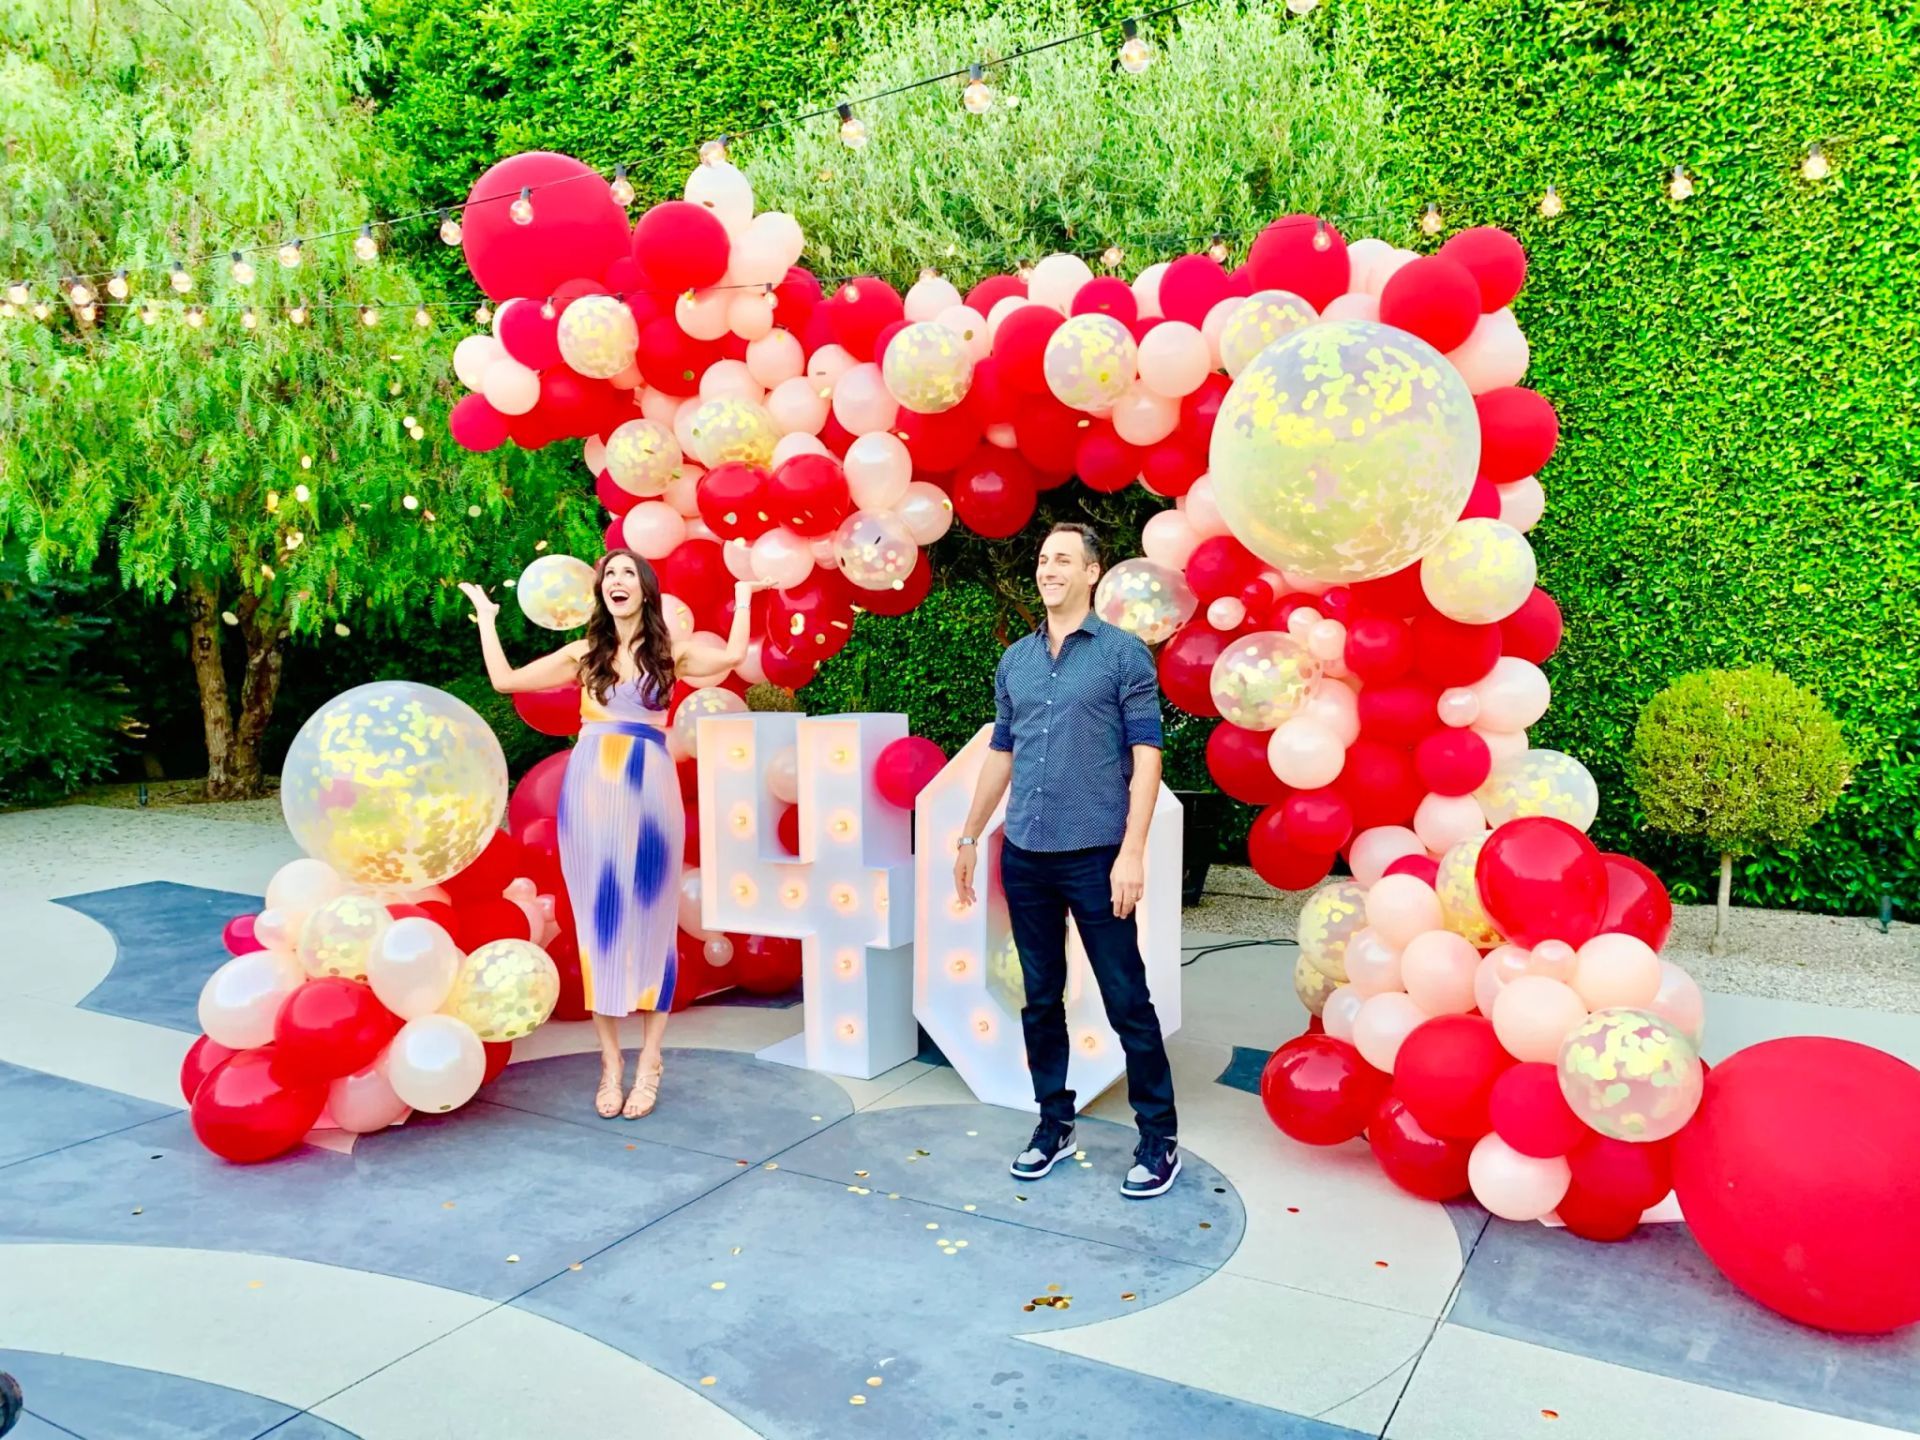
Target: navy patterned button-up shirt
{"points": [[1071, 721]]}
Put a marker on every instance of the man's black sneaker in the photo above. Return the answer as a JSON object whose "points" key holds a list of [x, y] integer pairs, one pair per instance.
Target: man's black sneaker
{"points": [[1051, 1142], [1155, 1163]]}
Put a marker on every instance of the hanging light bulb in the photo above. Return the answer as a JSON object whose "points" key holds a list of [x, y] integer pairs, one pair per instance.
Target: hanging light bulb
{"points": [[149, 312], [483, 315], [41, 310], [853, 130], [18, 293], [1431, 223], [79, 292], [714, 151], [1816, 166], [1135, 54], [250, 318], [1680, 184], [422, 317], [622, 187], [1303, 7], [978, 96], [196, 317], [365, 247], [1218, 250], [369, 316], [181, 281], [297, 313], [119, 287], [88, 312], [8, 309], [1322, 236], [290, 255], [449, 228], [1024, 273], [1551, 204], [240, 268], [521, 211], [1111, 257]]}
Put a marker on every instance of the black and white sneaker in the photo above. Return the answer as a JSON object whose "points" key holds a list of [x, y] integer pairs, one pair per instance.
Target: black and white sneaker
{"points": [[1155, 1163], [1051, 1143]]}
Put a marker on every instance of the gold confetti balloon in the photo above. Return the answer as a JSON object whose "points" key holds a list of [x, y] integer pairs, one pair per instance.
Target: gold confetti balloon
{"points": [[396, 785], [556, 592], [1459, 892], [695, 708], [729, 428], [1331, 917], [1631, 1075], [1310, 986], [1540, 782], [1258, 321], [928, 368], [1345, 451], [1479, 573], [643, 458], [876, 552], [338, 937], [598, 336], [1261, 680], [1090, 363], [1144, 598], [505, 989]]}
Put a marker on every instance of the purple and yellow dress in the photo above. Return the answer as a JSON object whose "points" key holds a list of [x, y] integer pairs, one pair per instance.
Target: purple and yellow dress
{"points": [[622, 838]]}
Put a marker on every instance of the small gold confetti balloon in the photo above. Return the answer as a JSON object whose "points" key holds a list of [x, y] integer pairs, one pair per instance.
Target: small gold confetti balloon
{"points": [[695, 708], [556, 592], [730, 428], [1144, 598], [505, 989], [1328, 920], [338, 937], [1006, 981], [928, 368], [396, 785], [1311, 986], [1090, 363], [1345, 451], [876, 552], [1479, 573], [1460, 907], [598, 336], [1540, 782], [1257, 322], [1631, 1075], [1261, 680], [643, 458]]}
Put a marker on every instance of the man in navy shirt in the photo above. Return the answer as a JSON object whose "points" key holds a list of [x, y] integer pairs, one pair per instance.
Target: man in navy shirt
{"points": [[1077, 736]]}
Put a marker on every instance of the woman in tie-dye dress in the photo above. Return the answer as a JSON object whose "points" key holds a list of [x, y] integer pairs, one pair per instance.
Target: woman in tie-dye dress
{"points": [[621, 822]]}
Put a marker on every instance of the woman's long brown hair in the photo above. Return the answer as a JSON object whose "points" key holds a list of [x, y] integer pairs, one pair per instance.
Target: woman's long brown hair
{"points": [[652, 646]]}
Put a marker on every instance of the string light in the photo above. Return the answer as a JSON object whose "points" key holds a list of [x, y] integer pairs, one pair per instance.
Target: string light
{"points": [[1112, 256], [290, 255], [714, 151], [8, 309], [18, 293], [180, 280], [1218, 251], [297, 313], [119, 287], [240, 268], [449, 228], [1680, 185], [978, 96], [369, 316], [622, 187], [521, 211], [482, 315], [1322, 237], [196, 317], [1135, 54], [79, 293], [1303, 7], [1551, 204], [1431, 223], [853, 130], [422, 317], [88, 312], [41, 310], [365, 247], [1816, 166], [149, 313], [250, 318]]}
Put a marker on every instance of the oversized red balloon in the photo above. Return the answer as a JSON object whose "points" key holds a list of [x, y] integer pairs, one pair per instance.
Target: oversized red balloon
{"points": [[537, 796], [809, 494], [1278, 861], [204, 1056], [237, 935], [992, 290], [1541, 879], [1433, 298], [331, 1027], [497, 866], [670, 360], [681, 246], [1530, 1114], [1302, 254], [789, 670], [246, 1111], [1237, 760], [1171, 467], [1483, 501], [1622, 1172], [577, 228], [1379, 783], [814, 619], [1399, 712], [1800, 1178], [475, 425], [906, 767], [1186, 668], [940, 442], [1494, 259], [1418, 1162], [994, 493], [1319, 1091], [551, 712], [765, 964], [1533, 631], [736, 501], [529, 331], [1445, 1072], [1048, 432], [1105, 462], [1518, 431], [1637, 903]]}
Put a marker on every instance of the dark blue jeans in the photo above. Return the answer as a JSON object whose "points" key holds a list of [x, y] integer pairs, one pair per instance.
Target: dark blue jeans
{"points": [[1042, 889]]}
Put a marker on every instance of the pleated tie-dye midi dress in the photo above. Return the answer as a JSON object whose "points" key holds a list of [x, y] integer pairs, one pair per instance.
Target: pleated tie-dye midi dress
{"points": [[622, 838]]}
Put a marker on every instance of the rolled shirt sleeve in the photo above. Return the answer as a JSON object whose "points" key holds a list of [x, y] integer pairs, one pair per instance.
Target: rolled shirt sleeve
{"points": [[1002, 710], [1139, 696]]}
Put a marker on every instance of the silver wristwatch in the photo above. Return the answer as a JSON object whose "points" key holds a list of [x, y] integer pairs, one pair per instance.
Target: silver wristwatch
{"points": [[967, 841]]}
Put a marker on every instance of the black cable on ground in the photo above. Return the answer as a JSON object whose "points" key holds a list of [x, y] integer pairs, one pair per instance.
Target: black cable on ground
{"points": [[1232, 945]]}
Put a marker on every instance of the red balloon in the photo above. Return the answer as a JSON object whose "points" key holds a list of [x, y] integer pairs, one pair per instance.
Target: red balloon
{"points": [[1317, 822], [1637, 903], [992, 290], [331, 1027], [1423, 868], [1541, 879], [1302, 254], [697, 573], [1283, 865], [1190, 287], [577, 227], [1107, 295], [498, 918], [443, 915], [237, 935], [765, 964], [1483, 501], [907, 597], [795, 299], [204, 1057], [1419, 1163], [994, 493], [1434, 299], [1800, 1178], [813, 619], [681, 246], [1495, 261], [1049, 433], [1453, 762], [408, 912], [736, 501], [906, 767], [614, 536], [565, 952], [1199, 410], [497, 866], [246, 1110], [1518, 431], [809, 494], [551, 712], [789, 671], [787, 829], [1379, 783], [940, 442], [1221, 566], [1400, 713], [860, 310], [1379, 649], [1237, 760], [617, 501], [670, 360], [1530, 1114], [537, 796], [1020, 347], [1397, 596], [1171, 467], [1445, 1072], [498, 1053], [1448, 653], [475, 425], [529, 334], [1104, 461], [1533, 631], [1594, 1217], [1319, 1091], [1627, 1174], [1186, 668]]}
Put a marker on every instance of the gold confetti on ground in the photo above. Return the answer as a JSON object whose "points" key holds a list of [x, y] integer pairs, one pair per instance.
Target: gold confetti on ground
{"points": [[932, 1226], [718, 1285], [970, 1208], [816, 1119], [1053, 1289], [859, 1174], [1086, 1164], [1053, 1301], [576, 1266], [1021, 1198], [139, 1209], [959, 1244], [736, 1249], [1206, 1225], [875, 1381], [446, 1204], [894, 1195], [743, 1163], [709, 1379], [255, 1284], [1079, 1154], [1379, 1264], [771, 1165], [1029, 1308], [1128, 1295], [858, 1190], [513, 1259], [633, 1147], [856, 1399], [923, 1153], [973, 1132]]}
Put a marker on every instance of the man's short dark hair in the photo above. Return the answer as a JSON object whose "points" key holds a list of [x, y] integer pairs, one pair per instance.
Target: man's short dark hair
{"points": [[1089, 537]]}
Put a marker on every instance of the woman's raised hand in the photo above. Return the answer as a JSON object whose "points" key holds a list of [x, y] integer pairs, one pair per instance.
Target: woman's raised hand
{"points": [[484, 606], [743, 588]]}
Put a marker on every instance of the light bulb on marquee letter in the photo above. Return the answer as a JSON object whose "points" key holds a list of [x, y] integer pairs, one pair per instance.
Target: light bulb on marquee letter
{"points": [[847, 897]]}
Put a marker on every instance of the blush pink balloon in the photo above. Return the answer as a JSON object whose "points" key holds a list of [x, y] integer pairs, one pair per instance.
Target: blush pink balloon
{"points": [[1515, 1186], [731, 378], [879, 470], [1382, 1026], [1167, 539], [1458, 707], [1512, 961], [1617, 970], [1373, 966], [1487, 985], [1533, 1015], [1511, 696], [703, 313], [1522, 503], [364, 1102], [1437, 969], [750, 316], [1174, 359], [1353, 305], [1202, 510], [1494, 356], [927, 512], [1503, 744], [683, 491], [798, 443], [827, 364], [660, 407], [1400, 907], [1679, 1002], [782, 558], [1443, 821], [861, 401], [1340, 1011], [931, 297], [654, 529], [1226, 614], [1336, 709], [510, 387], [798, 407], [775, 358], [971, 326], [1144, 418], [1305, 755], [1554, 959], [1146, 290], [1373, 850]]}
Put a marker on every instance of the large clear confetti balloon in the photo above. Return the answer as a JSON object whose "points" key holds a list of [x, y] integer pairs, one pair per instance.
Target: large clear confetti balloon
{"points": [[928, 368], [598, 336], [729, 428], [1090, 362], [339, 937], [505, 989], [695, 708], [1540, 782], [643, 458], [1257, 322], [1460, 907], [876, 552], [396, 785], [556, 592], [1345, 451], [1311, 986], [1331, 917], [1480, 572], [1144, 598], [1631, 1075], [1261, 680]]}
